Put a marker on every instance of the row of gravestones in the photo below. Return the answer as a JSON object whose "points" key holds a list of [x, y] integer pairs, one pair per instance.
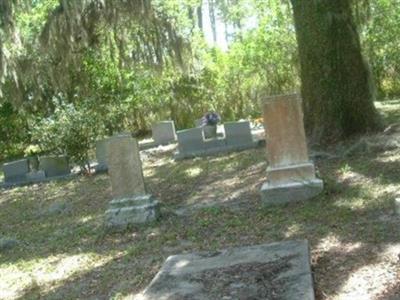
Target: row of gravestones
{"points": [[290, 177], [30, 170], [191, 142]]}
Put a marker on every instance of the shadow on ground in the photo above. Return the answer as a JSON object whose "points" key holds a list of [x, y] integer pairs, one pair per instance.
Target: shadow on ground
{"points": [[351, 227]]}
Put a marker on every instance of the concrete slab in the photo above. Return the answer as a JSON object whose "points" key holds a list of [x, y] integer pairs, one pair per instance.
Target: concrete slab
{"points": [[269, 271]]}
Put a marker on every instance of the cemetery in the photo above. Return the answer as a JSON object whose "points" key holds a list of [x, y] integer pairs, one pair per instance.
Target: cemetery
{"points": [[196, 220], [199, 150]]}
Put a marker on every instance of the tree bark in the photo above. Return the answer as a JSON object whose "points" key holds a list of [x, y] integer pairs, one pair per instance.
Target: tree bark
{"points": [[337, 86], [199, 10], [211, 12]]}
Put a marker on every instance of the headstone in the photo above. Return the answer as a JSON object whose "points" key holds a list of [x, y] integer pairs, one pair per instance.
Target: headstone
{"points": [[190, 140], [54, 166], [238, 133], [290, 174], [269, 271], [131, 204], [101, 155], [15, 171], [164, 132]]}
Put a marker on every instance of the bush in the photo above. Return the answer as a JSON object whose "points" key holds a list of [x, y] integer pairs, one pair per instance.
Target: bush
{"points": [[69, 131]]}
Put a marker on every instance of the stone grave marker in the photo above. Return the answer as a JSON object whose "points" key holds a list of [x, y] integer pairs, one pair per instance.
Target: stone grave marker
{"points": [[101, 155], [290, 173], [163, 132], [54, 166], [270, 271], [131, 204], [16, 171], [190, 140], [238, 133]]}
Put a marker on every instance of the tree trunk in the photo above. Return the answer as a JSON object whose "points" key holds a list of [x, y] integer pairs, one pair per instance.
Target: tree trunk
{"points": [[337, 86], [199, 10], [211, 12]]}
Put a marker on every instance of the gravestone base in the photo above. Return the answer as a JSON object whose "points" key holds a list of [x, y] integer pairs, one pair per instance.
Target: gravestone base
{"points": [[290, 192], [34, 176], [130, 211], [270, 271]]}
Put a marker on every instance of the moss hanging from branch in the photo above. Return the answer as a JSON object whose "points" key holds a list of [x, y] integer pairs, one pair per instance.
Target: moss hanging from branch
{"points": [[73, 27]]}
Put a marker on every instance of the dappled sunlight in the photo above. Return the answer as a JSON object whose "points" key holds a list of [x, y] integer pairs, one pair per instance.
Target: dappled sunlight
{"points": [[13, 281], [181, 264], [293, 230], [333, 242], [46, 274], [194, 171], [371, 280]]}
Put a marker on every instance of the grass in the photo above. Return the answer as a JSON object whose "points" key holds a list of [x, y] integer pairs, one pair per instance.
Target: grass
{"points": [[352, 229]]}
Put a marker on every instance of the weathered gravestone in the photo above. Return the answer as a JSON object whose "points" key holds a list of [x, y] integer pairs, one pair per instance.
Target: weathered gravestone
{"points": [[190, 140], [54, 166], [290, 173], [163, 132], [269, 271], [238, 134], [101, 155], [16, 171], [131, 204]]}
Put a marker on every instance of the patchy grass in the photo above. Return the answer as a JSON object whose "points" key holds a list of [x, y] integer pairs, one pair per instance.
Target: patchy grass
{"points": [[67, 254]]}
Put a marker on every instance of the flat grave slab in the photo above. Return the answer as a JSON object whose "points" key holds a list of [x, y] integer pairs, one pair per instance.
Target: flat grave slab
{"points": [[269, 271]]}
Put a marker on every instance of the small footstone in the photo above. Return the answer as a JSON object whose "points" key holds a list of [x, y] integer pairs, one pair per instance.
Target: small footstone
{"points": [[269, 271]]}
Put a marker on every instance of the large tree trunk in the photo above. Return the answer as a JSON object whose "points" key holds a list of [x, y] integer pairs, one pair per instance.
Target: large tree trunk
{"points": [[337, 86]]}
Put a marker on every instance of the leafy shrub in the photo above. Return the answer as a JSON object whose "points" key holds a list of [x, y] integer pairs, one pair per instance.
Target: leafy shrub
{"points": [[69, 130]]}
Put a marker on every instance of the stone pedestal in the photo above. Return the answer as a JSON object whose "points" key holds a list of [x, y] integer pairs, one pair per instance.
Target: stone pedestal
{"points": [[131, 204], [290, 174]]}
